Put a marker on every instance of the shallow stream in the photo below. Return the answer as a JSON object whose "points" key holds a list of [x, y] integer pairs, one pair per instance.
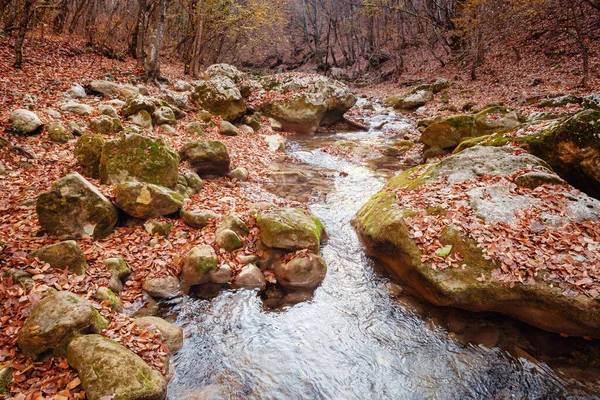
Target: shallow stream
{"points": [[361, 336]]}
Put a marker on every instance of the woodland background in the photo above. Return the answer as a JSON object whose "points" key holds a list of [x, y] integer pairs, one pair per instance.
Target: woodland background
{"points": [[369, 41]]}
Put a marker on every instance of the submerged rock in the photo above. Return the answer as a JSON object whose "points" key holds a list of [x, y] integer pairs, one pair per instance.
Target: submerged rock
{"points": [[62, 255], [113, 371], [55, 321], [74, 207], [395, 224]]}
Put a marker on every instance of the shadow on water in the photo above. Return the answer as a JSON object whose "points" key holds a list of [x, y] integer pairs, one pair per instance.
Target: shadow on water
{"points": [[360, 335]]}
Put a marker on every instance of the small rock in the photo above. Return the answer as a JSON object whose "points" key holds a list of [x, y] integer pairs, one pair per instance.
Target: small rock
{"points": [[76, 128], [246, 130], [53, 113], [104, 294], [167, 287], [182, 86], [25, 122], [240, 173], [290, 229], [76, 92], [206, 157], [172, 334], [21, 277], [199, 262], [77, 108], [227, 129], [120, 271], [136, 104], [88, 151], [275, 142], [197, 219], [534, 179], [221, 274], [228, 240], [252, 259], [161, 228], [301, 272], [251, 277], [193, 181], [276, 126], [62, 255], [163, 115], [106, 125], [195, 128], [204, 115], [107, 109], [143, 119], [168, 129], [148, 308]]}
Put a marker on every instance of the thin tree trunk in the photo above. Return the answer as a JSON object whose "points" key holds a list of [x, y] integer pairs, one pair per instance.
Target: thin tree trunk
{"points": [[196, 61], [152, 65], [25, 17]]}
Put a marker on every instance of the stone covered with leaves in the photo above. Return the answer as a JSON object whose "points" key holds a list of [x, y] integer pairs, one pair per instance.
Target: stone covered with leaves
{"points": [[464, 234]]}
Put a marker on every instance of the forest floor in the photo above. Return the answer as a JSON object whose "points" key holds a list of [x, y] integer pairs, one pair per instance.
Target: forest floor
{"points": [[51, 66]]}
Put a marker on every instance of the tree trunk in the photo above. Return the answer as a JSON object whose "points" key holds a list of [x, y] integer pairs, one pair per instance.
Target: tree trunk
{"points": [[140, 33], [152, 64], [24, 18], [61, 17], [196, 61]]}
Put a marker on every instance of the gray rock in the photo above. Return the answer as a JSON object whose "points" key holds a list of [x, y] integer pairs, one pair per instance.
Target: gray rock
{"points": [[136, 104], [76, 108], [220, 96], [113, 371], [62, 255], [240, 173], [161, 228], [53, 113], [58, 132], [74, 207], [197, 219], [195, 128], [76, 92], [224, 70], [25, 121], [163, 115], [106, 125], [245, 129], [143, 119], [221, 275], [290, 229], [182, 86], [107, 109], [55, 321], [88, 151], [228, 240], [275, 142], [104, 294]]}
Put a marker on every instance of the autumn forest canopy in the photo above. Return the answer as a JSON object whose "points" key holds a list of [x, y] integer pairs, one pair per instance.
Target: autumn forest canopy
{"points": [[380, 38]]}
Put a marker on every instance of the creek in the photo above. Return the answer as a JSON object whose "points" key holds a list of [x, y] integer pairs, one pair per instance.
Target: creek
{"points": [[362, 335]]}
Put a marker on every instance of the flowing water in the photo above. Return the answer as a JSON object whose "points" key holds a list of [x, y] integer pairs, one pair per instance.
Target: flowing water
{"points": [[361, 336]]}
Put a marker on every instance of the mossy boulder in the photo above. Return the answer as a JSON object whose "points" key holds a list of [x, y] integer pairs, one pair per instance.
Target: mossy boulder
{"points": [[106, 125], [137, 158], [105, 295], [74, 207], [200, 261], [110, 370], [383, 225], [63, 255], [591, 102], [88, 151], [55, 321], [220, 96], [145, 200], [58, 133], [206, 157], [228, 240], [290, 229], [119, 272]]}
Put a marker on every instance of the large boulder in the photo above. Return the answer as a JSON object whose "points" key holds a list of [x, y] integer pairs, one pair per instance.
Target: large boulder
{"points": [[571, 147], [25, 122], [136, 104], [106, 125], [112, 89], [136, 158], [88, 151], [463, 234], [145, 200], [62, 255], [290, 229], [220, 96], [414, 98], [74, 207], [56, 320], [206, 157], [109, 370], [304, 102], [442, 136]]}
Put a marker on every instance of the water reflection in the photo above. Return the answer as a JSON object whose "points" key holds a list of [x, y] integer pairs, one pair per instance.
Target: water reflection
{"points": [[360, 336]]}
